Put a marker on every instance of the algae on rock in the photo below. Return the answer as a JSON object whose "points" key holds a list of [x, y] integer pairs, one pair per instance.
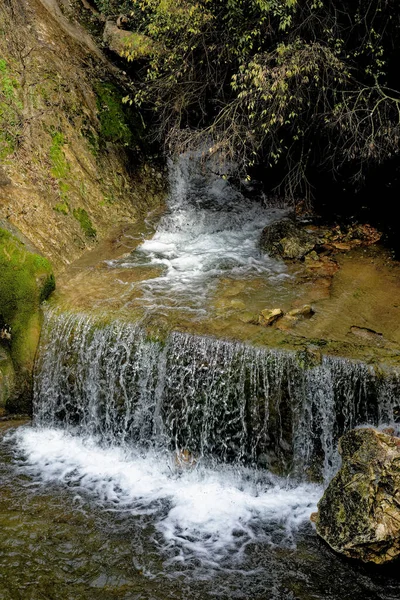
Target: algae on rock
{"points": [[26, 279], [359, 514]]}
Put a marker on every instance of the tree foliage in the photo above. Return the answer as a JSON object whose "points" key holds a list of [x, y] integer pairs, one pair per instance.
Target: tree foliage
{"points": [[296, 86]]}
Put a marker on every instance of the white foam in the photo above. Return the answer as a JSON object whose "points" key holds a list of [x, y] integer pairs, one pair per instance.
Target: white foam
{"points": [[207, 512], [209, 230]]}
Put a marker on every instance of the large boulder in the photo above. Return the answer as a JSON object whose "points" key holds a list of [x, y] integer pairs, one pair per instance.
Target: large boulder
{"points": [[359, 514], [287, 239]]}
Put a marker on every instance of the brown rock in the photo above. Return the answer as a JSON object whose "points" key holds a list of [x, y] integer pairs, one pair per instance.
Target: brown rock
{"points": [[305, 311], [268, 316]]}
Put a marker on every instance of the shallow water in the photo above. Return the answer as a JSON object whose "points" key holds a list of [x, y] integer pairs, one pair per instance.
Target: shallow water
{"points": [[81, 521]]}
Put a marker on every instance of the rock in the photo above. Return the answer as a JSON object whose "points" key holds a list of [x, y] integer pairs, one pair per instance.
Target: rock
{"points": [[248, 317], [359, 513], [4, 179], [184, 460], [288, 239], [305, 311], [268, 316], [238, 304], [368, 335], [120, 41]]}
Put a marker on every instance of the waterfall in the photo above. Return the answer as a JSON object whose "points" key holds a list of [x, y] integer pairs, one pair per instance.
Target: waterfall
{"points": [[225, 401], [209, 230]]}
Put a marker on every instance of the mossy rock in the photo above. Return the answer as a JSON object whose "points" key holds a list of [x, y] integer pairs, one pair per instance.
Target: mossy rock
{"points": [[287, 239], [359, 514], [7, 376], [85, 222], [26, 279]]}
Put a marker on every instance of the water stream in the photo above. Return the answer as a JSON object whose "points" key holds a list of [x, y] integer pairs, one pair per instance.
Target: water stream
{"points": [[209, 230], [183, 466]]}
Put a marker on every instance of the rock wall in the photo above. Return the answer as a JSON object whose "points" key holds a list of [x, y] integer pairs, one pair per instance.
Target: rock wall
{"points": [[71, 168], [69, 172]]}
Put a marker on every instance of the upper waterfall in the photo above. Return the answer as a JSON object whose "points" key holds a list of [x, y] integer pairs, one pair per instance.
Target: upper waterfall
{"points": [[209, 230]]}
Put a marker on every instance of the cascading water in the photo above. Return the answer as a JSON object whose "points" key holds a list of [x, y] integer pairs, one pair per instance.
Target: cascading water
{"points": [[216, 398], [206, 456], [209, 230], [114, 410]]}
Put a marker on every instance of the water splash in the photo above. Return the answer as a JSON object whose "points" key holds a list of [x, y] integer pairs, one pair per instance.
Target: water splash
{"points": [[209, 230], [205, 514]]}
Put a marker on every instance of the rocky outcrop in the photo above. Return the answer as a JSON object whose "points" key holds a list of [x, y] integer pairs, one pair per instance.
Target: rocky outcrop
{"points": [[359, 514], [70, 146]]}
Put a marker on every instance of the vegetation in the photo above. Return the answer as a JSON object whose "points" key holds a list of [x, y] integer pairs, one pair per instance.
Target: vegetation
{"points": [[295, 87], [114, 124], [10, 111], [59, 164], [86, 224], [26, 280]]}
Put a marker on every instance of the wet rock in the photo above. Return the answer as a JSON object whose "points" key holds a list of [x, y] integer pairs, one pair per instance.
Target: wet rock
{"points": [[184, 460], [305, 311], [4, 179], [359, 514], [238, 304], [268, 316], [369, 335], [248, 317], [320, 266], [288, 239]]}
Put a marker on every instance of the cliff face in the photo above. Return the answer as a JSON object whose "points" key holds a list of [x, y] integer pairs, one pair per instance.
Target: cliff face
{"points": [[66, 138], [70, 167]]}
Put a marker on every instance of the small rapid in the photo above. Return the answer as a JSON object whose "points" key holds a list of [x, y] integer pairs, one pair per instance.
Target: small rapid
{"points": [[209, 230]]}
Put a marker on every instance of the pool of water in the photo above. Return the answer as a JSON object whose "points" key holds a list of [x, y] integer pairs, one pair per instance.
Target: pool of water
{"points": [[80, 520]]}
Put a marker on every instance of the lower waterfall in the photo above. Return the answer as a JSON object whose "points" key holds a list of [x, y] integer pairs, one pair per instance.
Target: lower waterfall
{"points": [[220, 400], [217, 441]]}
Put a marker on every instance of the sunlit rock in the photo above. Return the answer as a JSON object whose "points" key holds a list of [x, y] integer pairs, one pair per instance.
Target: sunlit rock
{"points": [[359, 514], [270, 316]]}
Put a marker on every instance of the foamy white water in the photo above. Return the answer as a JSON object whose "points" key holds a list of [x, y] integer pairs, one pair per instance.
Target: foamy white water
{"points": [[209, 230], [205, 512]]}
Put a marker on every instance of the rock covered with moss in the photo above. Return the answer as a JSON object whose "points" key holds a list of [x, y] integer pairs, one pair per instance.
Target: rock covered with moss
{"points": [[359, 514], [26, 279]]}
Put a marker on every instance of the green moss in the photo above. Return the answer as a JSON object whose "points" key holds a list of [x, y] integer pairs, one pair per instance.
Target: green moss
{"points": [[10, 111], [59, 164], [49, 285], [114, 120], [7, 376], [62, 207], [86, 224], [26, 279]]}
